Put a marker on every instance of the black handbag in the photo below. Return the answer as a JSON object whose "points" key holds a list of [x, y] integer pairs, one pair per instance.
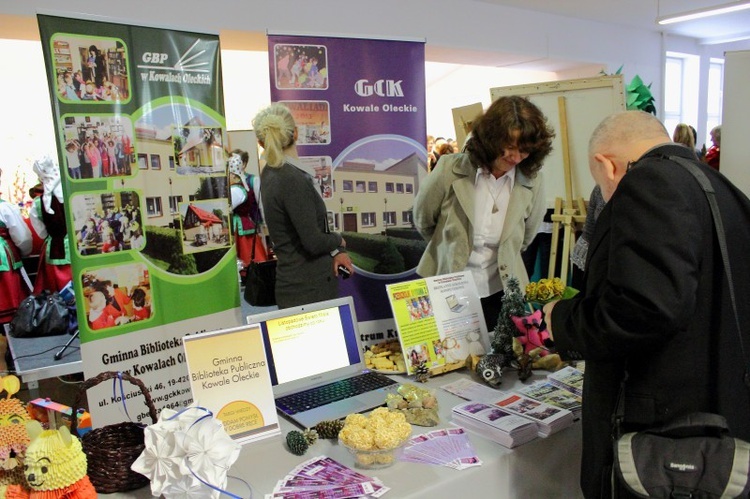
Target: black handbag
{"points": [[45, 314], [693, 455], [260, 277]]}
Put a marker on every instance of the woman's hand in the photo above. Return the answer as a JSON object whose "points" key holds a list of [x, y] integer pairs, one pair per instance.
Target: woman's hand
{"points": [[342, 259]]}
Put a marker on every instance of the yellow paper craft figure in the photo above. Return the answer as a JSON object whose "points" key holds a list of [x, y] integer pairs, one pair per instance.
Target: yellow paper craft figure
{"points": [[13, 436], [55, 466]]}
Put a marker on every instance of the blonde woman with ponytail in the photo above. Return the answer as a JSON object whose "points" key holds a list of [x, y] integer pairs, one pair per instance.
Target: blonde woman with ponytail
{"points": [[309, 254]]}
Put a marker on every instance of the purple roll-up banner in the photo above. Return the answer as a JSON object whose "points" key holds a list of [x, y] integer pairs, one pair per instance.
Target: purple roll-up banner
{"points": [[359, 105]]}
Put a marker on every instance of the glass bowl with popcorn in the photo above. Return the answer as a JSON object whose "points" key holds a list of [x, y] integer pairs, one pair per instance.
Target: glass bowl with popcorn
{"points": [[375, 440]]}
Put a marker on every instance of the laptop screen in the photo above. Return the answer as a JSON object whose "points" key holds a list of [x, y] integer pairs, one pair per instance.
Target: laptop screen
{"points": [[306, 341]]}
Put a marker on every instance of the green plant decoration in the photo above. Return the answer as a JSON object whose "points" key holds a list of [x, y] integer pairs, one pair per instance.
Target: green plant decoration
{"points": [[638, 95]]}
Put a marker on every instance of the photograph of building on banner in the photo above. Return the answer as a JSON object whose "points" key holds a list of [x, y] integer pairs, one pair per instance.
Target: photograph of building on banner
{"points": [[439, 321]]}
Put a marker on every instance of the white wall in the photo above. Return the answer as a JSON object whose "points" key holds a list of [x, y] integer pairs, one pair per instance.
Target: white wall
{"points": [[487, 28], [735, 148]]}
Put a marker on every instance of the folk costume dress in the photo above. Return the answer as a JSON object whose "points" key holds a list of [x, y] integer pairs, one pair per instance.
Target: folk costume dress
{"points": [[15, 241], [48, 219], [245, 214]]}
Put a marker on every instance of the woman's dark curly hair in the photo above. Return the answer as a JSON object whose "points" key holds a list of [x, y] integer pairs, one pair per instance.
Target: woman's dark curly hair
{"points": [[496, 129]]}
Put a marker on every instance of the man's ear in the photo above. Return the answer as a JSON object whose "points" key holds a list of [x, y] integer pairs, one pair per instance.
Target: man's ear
{"points": [[607, 164]]}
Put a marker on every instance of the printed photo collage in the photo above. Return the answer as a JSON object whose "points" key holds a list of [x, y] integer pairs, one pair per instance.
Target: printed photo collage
{"points": [[168, 172], [304, 70]]}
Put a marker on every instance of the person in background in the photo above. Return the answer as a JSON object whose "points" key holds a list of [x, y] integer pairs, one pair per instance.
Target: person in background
{"points": [[700, 152], [713, 154], [684, 135], [444, 147], [431, 159], [308, 253], [15, 242], [48, 219], [437, 146], [480, 208], [581, 248], [245, 211], [37, 242], [655, 302]]}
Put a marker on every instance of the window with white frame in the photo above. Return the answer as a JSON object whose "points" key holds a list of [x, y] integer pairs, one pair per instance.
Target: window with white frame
{"points": [[406, 217], [153, 207], [174, 204], [681, 87], [368, 219], [715, 96], [389, 218]]}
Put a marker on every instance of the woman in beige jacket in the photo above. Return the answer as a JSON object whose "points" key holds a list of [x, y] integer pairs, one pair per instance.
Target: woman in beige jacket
{"points": [[481, 208]]}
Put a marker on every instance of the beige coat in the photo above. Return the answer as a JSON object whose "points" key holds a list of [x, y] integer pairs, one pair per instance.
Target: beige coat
{"points": [[444, 215]]}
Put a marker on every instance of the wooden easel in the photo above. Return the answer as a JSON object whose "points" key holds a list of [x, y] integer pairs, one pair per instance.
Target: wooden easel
{"points": [[568, 212]]}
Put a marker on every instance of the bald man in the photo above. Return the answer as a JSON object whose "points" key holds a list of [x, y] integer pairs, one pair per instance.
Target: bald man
{"points": [[655, 299]]}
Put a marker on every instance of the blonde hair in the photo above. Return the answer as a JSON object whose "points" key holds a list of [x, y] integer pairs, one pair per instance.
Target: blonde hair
{"points": [[684, 135], [274, 127]]}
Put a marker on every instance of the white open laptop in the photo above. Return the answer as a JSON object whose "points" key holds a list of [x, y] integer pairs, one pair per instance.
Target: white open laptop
{"points": [[315, 360]]}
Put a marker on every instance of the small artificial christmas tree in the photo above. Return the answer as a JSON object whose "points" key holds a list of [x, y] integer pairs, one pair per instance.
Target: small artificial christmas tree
{"points": [[513, 304]]}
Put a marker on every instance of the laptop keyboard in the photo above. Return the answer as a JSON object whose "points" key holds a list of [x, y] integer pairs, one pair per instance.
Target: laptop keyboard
{"points": [[338, 390]]}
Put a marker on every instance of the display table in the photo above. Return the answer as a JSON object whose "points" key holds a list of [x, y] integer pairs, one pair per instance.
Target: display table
{"points": [[546, 468], [34, 358]]}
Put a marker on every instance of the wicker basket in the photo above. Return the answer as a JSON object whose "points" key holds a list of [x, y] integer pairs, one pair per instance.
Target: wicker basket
{"points": [[111, 450]]}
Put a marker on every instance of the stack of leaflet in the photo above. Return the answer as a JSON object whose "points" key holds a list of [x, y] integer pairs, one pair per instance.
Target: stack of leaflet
{"points": [[322, 477], [449, 447], [548, 418], [495, 424], [545, 391], [568, 378]]}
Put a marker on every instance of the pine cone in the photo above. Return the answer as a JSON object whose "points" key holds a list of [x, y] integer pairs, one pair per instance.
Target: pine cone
{"points": [[296, 442], [311, 436], [329, 429], [422, 372]]}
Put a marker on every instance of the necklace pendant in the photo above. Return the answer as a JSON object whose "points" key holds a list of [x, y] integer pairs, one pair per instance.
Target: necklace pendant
{"points": [[494, 208]]}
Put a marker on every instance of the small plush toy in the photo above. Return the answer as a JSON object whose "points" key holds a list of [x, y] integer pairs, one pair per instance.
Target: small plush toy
{"points": [[55, 466], [533, 360], [13, 436], [533, 333]]}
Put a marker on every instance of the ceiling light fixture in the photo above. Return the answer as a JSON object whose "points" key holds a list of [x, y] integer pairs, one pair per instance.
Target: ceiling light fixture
{"points": [[701, 13]]}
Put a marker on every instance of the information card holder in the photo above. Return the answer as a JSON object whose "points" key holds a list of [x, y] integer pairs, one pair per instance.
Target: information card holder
{"points": [[229, 376], [439, 321]]}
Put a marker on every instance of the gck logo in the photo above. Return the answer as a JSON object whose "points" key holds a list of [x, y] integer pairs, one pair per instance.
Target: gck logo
{"points": [[383, 88]]}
